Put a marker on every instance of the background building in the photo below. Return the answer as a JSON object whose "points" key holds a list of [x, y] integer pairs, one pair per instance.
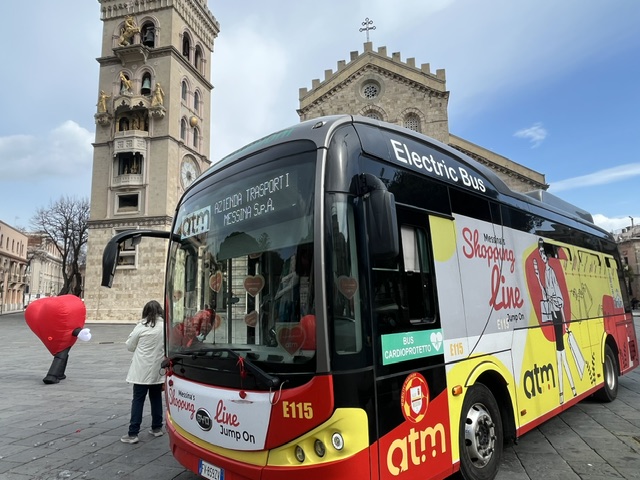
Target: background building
{"points": [[45, 269], [152, 140], [384, 87], [629, 247], [13, 268]]}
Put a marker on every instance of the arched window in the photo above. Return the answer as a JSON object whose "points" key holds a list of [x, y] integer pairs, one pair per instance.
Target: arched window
{"points": [[412, 122], [373, 114], [146, 84], [196, 138], [184, 91], [186, 46], [196, 101], [183, 130], [148, 34], [198, 58]]}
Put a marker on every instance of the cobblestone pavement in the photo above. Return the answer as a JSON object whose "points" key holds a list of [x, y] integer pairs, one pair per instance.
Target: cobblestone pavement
{"points": [[72, 430]]}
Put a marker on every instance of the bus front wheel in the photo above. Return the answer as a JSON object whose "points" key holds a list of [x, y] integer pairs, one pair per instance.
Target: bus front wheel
{"points": [[609, 390], [480, 435]]}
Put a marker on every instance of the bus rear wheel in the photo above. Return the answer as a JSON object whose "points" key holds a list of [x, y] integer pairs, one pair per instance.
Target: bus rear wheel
{"points": [[609, 390], [480, 435]]}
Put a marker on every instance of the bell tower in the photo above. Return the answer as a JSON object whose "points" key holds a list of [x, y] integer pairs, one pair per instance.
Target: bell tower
{"points": [[152, 140]]}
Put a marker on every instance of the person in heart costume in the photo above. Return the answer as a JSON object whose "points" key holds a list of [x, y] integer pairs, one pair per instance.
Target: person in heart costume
{"points": [[58, 322]]}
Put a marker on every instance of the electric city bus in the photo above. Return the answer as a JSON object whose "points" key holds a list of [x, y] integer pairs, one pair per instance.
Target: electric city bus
{"points": [[348, 299]]}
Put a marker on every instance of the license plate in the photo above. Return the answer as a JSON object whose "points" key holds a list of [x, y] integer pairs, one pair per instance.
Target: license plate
{"points": [[210, 471]]}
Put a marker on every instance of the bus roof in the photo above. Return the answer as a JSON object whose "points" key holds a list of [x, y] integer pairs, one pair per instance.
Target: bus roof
{"points": [[320, 130]]}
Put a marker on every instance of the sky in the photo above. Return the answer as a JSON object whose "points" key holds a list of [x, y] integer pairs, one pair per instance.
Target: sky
{"points": [[551, 85]]}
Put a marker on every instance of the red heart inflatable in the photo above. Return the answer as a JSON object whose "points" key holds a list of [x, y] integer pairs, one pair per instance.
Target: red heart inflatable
{"points": [[53, 320]]}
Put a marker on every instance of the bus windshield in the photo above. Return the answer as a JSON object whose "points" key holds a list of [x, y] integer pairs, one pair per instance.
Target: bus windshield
{"points": [[240, 278]]}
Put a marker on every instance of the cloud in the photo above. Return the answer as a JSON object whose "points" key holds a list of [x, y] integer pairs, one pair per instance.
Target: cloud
{"points": [[63, 152], [70, 147], [601, 177], [15, 150], [535, 134], [250, 97], [613, 224]]}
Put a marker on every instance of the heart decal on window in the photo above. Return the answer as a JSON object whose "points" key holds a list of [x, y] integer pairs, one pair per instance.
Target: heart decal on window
{"points": [[253, 284], [291, 338]]}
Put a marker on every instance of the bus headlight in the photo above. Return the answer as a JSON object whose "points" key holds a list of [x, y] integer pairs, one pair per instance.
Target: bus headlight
{"points": [[299, 454], [337, 441], [319, 447]]}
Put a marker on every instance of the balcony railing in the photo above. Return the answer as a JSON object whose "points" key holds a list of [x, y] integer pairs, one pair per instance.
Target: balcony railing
{"points": [[132, 133], [131, 141], [127, 180]]}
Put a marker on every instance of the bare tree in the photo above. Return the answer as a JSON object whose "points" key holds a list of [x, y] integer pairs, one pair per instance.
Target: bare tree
{"points": [[65, 222]]}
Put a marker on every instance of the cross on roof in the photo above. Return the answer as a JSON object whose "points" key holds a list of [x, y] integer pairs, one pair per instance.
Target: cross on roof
{"points": [[368, 25]]}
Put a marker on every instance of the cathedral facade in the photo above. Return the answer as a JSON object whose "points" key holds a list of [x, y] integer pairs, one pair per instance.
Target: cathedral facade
{"points": [[384, 87]]}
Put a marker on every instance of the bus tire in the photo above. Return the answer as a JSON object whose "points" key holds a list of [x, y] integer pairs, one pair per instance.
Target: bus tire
{"points": [[609, 390], [480, 435]]}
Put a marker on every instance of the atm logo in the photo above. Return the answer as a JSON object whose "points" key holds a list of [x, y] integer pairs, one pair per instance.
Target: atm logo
{"points": [[418, 447], [535, 380]]}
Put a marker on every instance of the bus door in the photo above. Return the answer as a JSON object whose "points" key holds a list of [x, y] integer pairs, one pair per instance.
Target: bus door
{"points": [[411, 394]]}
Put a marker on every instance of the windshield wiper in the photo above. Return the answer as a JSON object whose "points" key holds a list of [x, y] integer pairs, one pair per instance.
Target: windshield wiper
{"points": [[267, 379]]}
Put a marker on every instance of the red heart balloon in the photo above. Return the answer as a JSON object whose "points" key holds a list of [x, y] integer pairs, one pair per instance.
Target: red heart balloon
{"points": [[53, 320]]}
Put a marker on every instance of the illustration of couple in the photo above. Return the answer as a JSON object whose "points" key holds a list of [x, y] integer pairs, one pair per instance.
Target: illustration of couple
{"points": [[551, 310]]}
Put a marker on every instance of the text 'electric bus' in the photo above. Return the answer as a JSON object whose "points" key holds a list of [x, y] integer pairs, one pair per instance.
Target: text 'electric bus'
{"points": [[350, 299]]}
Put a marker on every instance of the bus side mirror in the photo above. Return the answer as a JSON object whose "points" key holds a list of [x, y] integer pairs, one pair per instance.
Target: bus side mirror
{"points": [[109, 263], [382, 225], [112, 249]]}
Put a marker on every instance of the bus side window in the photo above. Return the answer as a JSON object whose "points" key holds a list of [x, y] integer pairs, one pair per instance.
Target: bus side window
{"points": [[417, 275], [388, 303], [403, 291]]}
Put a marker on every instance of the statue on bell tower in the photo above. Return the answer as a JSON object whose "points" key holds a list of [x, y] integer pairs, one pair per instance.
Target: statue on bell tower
{"points": [[158, 96], [128, 31], [102, 101]]}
